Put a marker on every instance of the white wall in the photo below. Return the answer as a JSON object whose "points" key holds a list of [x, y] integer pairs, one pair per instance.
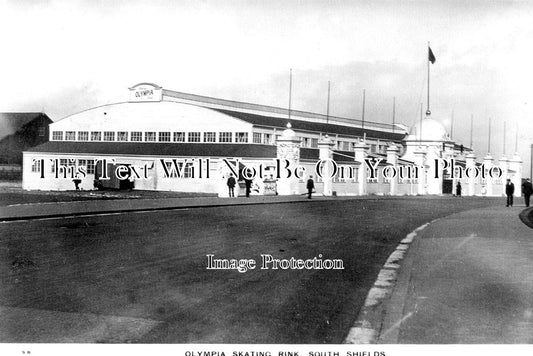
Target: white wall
{"points": [[216, 183], [33, 181]]}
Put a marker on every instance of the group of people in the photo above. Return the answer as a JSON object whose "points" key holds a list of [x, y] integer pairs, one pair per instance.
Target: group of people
{"points": [[527, 191], [232, 182]]}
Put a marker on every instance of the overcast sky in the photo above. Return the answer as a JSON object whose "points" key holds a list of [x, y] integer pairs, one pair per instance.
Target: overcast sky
{"points": [[62, 57]]}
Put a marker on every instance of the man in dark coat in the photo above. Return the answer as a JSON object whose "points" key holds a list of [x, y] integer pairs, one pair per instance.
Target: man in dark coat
{"points": [[527, 190], [248, 184], [231, 185], [310, 187], [509, 191], [458, 189]]}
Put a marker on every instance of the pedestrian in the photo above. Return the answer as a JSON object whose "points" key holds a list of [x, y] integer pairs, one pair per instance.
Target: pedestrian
{"points": [[527, 190], [310, 187], [231, 185], [248, 184], [458, 189], [77, 182], [509, 191]]}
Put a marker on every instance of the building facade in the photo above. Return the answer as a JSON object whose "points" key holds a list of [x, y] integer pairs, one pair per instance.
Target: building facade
{"points": [[173, 141], [196, 137]]}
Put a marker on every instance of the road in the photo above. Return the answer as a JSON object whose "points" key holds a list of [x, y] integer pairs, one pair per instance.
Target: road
{"points": [[142, 277]]}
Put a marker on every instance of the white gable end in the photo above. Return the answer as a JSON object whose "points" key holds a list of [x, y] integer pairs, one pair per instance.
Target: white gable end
{"points": [[150, 116]]}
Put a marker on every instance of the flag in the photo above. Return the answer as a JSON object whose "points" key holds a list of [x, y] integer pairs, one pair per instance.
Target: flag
{"points": [[431, 56]]}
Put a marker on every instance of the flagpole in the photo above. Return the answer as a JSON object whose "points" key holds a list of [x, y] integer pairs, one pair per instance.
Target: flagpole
{"points": [[290, 93], [393, 113], [489, 136], [428, 112], [451, 128], [327, 110], [363, 114], [471, 130], [516, 141], [504, 129], [421, 115]]}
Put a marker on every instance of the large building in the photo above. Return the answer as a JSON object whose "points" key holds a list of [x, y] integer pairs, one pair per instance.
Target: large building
{"points": [[167, 140], [20, 131], [160, 124]]}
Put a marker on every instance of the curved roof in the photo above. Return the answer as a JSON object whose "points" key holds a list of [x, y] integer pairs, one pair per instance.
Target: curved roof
{"points": [[149, 116], [176, 116]]}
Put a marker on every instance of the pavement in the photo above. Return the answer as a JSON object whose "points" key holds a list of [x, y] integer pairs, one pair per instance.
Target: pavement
{"points": [[466, 279]]}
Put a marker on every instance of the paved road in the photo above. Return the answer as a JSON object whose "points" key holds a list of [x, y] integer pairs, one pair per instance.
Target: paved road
{"points": [[97, 206], [142, 277], [468, 280], [53, 209]]}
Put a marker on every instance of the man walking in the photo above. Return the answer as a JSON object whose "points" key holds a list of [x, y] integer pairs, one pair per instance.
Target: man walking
{"points": [[231, 185], [310, 187], [527, 190], [509, 191]]}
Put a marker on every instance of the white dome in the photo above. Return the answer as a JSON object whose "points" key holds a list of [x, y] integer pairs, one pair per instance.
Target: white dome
{"points": [[430, 129]]}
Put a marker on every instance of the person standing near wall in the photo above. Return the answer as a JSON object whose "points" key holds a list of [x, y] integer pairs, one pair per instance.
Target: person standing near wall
{"points": [[231, 185], [310, 187], [527, 190], [458, 189], [509, 191], [248, 184], [77, 182]]}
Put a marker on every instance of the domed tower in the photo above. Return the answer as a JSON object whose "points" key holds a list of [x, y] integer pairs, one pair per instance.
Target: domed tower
{"points": [[429, 138], [427, 133]]}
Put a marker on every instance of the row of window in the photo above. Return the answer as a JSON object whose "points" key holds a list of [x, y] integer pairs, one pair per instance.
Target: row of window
{"points": [[342, 145], [349, 146], [309, 142], [63, 162], [378, 148], [150, 136], [343, 175], [264, 138], [224, 137], [270, 139]]}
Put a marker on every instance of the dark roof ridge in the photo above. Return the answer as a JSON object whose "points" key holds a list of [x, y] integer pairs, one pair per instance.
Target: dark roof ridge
{"points": [[302, 125], [268, 108]]}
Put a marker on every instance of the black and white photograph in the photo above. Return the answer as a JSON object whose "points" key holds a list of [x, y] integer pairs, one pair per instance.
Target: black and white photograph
{"points": [[266, 178]]}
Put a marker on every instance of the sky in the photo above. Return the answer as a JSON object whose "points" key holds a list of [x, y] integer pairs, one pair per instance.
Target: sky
{"points": [[62, 57]]}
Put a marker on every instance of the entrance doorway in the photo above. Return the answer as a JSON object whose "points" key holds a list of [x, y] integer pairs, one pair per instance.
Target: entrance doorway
{"points": [[447, 186]]}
